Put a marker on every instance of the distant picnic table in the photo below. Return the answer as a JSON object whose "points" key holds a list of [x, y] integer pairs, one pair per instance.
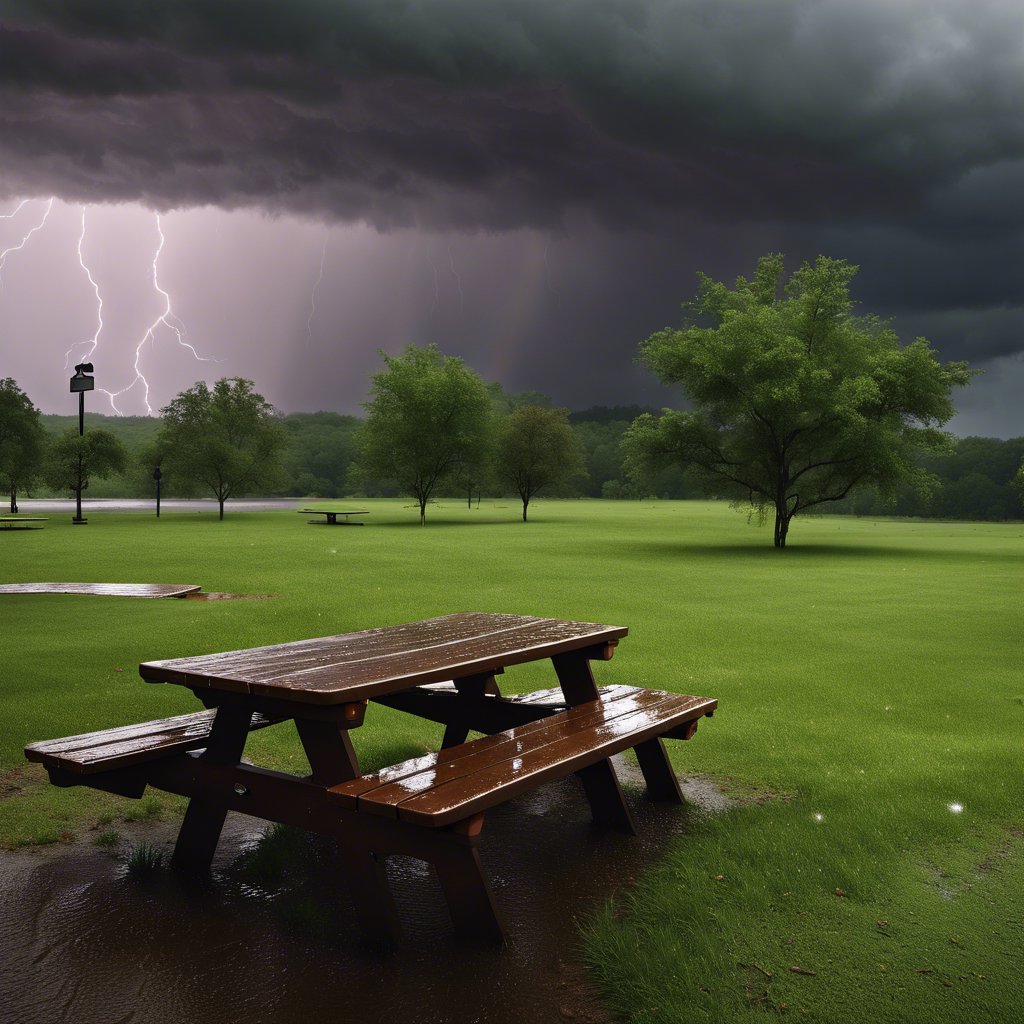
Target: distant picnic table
{"points": [[18, 522], [429, 807], [332, 515]]}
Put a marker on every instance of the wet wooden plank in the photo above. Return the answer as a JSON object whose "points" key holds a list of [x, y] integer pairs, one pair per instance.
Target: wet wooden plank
{"points": [[105, 749], [147, 590], [443, 788], [462, 760], [356, 666]]}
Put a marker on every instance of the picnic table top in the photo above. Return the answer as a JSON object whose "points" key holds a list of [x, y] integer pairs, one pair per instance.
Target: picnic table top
{"points": [[334, 511], [103, 589], [357, 666]]}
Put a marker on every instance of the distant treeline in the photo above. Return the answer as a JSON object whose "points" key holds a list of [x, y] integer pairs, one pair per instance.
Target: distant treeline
{"points": [[971, 484]]}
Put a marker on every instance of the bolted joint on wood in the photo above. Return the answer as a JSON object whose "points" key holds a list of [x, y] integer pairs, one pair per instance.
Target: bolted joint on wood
{"points": [[355, 713]]}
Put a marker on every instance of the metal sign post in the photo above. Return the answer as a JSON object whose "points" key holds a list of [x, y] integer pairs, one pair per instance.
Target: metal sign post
{"points": [[80, 383]]}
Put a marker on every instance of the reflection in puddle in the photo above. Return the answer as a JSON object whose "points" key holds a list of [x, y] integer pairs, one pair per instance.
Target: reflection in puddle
{"points": [[273, 937]]}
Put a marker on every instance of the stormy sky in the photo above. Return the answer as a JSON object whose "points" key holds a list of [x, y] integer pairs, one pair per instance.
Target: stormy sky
{"points": [[279, 190]]}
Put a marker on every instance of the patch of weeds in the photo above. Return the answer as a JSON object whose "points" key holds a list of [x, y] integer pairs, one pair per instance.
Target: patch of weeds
{"points": [[107, 838], [267, 863], [148, 807], [143, 861], [104, 819]]}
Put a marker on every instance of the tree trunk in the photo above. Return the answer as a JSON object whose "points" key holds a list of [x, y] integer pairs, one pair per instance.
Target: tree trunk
{"points": [[221, 500], [423, 511], [14, 501], [469, 497], [526, 501], [782, 518]]}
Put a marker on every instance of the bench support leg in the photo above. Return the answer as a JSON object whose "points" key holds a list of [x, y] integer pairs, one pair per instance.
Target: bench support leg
{"points": [[661, 780], [470, 901], [371, 894], [607, 803], [204, 819]]}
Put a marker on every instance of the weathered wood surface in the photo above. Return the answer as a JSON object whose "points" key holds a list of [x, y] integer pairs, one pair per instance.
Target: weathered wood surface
{"points": [[357, 666], [103, 589], [108, 749], [12, 522], [447, 787]]}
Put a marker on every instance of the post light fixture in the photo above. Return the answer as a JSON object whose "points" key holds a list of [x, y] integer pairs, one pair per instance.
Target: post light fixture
{"points": [[81, 382]]}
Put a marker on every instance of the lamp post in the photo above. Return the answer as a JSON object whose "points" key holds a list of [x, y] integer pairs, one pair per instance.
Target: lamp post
{"points": [[80, 383], [156, 476]]}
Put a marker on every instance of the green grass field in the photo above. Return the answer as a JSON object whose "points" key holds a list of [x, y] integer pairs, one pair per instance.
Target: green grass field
{"points": [[870, 726]]}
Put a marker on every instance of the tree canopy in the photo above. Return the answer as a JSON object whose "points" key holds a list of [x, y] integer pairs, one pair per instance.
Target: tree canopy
{"points": [[22, 440], [72, 459], [428, 417], [796, 401], [537, 448], [227, 439]]}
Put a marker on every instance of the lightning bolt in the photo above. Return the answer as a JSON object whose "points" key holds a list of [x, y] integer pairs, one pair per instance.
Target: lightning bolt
{"points": [[21, 245], [95, 339], [166, 319], [14, 212], [312, 296], [458, 279]]}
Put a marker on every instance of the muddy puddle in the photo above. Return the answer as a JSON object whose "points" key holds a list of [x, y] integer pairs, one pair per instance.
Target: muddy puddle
{"points": [[272, 939]]}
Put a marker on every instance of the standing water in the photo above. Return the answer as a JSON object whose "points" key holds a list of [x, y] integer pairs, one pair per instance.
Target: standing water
{"points": [[272, 937]]}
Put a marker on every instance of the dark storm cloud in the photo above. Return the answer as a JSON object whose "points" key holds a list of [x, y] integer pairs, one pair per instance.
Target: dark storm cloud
{"points": [[885, 131], [455, 112]]}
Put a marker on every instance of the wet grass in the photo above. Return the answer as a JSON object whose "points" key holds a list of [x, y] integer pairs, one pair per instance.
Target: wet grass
{"points": [[870, 675]]}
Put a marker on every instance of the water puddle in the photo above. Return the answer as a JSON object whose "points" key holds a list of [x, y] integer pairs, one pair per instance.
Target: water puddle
{"points": [[272, 937]]}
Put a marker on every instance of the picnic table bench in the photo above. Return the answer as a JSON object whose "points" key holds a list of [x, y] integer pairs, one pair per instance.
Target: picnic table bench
{"points": [[332, 516], [430, 807], [10, 522]]}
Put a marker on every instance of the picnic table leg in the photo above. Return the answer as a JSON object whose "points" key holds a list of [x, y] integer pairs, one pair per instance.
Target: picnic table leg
{"points": [[204, 817], [329, 750], [371, 894], [470, 688], [661, 780], [607, 803], [600, 783], [469, 898]]}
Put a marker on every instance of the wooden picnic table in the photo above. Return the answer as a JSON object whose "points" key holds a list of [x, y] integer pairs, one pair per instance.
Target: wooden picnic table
{"points": [[332, 516], [430, 807], [14, 522]]}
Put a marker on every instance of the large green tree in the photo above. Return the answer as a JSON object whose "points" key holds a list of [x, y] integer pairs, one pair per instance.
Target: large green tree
{"points": [[22, 440], [428, 419], [72, 460], [537, 448], [227, 439], [796, 401]]}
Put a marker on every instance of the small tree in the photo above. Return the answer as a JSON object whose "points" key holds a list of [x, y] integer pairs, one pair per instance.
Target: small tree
{"points": [[226, 439], [1017, 483], [537, 448], [73, 459], [427, 419], [22, 440], [796, 401]]}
